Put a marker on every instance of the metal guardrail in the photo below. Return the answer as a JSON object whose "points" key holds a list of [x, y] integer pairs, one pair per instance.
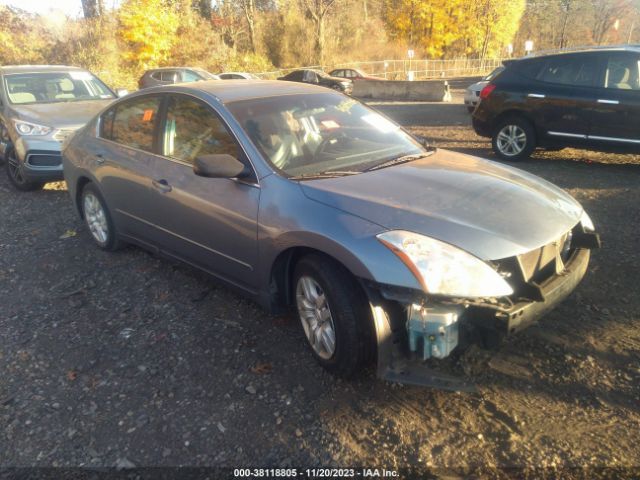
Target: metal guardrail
{"points": [[399, 69]]}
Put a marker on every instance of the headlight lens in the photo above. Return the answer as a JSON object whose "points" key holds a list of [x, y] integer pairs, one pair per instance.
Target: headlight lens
{"points": [[443, 269], [586, 222], [26, 128]]}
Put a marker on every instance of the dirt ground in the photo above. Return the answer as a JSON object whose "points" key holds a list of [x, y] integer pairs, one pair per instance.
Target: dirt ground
{"points": [[126, 359]]}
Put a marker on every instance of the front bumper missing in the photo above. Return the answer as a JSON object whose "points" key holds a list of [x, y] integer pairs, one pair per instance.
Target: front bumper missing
{"points": [[397, 364]]}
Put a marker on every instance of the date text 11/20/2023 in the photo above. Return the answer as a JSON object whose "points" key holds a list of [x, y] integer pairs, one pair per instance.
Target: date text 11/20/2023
{"points": [[314, 473]]}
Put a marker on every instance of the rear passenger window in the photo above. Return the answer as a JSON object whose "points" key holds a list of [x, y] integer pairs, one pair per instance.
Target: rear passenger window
{"points": [[133, 123], [577, 71], [529, 68], [622, 73], [192, 129]]}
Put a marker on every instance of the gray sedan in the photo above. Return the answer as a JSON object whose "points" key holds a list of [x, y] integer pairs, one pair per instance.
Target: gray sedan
{"points": [[40, 106], [304, 198]]}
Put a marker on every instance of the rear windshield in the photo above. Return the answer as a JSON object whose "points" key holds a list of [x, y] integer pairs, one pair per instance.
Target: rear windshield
{"points": [[54, 87]]}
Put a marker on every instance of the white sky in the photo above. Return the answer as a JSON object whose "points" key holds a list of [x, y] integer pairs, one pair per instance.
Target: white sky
{"points": [[73, 8]]}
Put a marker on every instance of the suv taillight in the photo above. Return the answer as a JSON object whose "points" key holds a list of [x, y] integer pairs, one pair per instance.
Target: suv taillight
{"points": [[486, 91]]}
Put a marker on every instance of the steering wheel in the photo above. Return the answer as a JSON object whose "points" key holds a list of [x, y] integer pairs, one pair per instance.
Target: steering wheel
{"points": [[334, 138]]}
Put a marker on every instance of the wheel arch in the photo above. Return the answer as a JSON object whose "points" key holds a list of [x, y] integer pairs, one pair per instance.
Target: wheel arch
{"points": [[280, 288], [516, 112]]}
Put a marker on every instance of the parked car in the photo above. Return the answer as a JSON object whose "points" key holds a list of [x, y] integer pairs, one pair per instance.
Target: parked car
{"points": [[170, 75], [301, 197], [318, 77], [472, 94], [352, 74], [582, 99], [237, 76], [40, 106]]}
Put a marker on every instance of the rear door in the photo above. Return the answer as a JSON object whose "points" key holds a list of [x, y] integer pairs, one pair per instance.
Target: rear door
{"points": [[208, 222], [564, 96], [616, 118]]}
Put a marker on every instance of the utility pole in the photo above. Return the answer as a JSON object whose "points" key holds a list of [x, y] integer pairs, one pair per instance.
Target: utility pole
{"points": [[633, 25]]}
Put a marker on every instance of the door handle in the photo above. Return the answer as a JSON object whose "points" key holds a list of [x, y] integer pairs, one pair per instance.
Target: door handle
{"points": [[608, 102], [161, 185], [536, 95]]}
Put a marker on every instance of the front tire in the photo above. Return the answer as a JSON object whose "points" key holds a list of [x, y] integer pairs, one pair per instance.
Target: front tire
{"points": [[334, 314], [514, 139], [15, 174], [98, 218]]}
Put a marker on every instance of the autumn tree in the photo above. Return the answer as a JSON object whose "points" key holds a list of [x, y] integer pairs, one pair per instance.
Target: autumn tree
{"points": [[147, 29], [318, 11]]}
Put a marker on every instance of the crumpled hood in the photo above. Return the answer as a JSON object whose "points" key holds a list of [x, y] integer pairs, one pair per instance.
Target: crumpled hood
{"points": [[61, 114], [488, 209]]}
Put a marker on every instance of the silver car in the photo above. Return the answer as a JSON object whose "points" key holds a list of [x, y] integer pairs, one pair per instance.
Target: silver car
{"points": [[304, 198], [472, 93], [39, 107]]}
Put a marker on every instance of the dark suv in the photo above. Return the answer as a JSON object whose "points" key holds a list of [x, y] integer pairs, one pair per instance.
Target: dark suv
{"points": [[318, 77], [582, 99], [170, 75]]}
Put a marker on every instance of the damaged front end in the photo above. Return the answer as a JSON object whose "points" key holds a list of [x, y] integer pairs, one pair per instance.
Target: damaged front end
{"points": [[415, 331]]}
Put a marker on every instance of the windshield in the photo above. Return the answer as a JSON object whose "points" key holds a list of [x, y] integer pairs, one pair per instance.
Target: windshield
{"points": [[52, 87], [493, 74], [206, 75], [305, 135]]}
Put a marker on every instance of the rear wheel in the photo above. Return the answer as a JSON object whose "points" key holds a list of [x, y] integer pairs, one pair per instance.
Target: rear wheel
{"points": [[98, 219], [334, 315], [16, 174], [514, 139]]}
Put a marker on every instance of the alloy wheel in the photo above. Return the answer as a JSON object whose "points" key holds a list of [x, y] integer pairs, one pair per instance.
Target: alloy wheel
{"points": [[511, 140], [14, 169], [315, 316], [96, 218]]}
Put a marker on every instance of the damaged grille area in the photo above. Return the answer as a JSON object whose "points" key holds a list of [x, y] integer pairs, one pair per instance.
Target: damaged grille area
{"points": [[525, 271]]}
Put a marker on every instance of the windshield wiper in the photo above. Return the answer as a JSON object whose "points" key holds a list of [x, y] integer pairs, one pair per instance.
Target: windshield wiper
{"points": [[327, 174], [400, 159]]}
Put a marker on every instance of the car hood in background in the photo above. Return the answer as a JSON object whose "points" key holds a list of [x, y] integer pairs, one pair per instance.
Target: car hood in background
{"points": [[61, 114], [489, 210]]}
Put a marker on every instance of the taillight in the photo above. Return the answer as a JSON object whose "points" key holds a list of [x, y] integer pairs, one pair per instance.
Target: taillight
{"points": [[486, 91]]}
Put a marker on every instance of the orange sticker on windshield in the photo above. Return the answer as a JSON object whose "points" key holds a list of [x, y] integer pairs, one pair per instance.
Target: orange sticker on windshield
{"points": [[329, 124], [148, 115]]}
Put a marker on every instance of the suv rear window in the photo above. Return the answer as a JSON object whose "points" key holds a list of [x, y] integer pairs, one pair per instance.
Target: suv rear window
{"points": [[578, 71]]}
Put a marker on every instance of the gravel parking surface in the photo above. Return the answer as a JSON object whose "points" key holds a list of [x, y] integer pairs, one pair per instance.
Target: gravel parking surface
{"points": [[127, 359]]}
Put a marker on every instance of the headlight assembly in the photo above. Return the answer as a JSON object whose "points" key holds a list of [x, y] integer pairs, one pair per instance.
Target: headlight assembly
{"points": [[27, 128], [443, 269], [586, 222]]}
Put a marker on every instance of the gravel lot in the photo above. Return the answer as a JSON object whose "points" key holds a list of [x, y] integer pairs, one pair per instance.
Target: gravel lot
{"points": [[128, 359]]}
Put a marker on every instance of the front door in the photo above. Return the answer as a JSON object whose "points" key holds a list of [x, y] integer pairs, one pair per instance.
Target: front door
{"points": [[567, 96], [208, 222], [617, 116]]}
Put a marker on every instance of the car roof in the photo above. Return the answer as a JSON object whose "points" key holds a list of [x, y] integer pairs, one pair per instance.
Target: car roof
{"points": [[579, 51], [7, 69], [237, 90], [173, 68]]}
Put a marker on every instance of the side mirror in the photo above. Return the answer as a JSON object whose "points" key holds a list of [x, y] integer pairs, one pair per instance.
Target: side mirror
{"points": [[121, 92], [219, 166]]}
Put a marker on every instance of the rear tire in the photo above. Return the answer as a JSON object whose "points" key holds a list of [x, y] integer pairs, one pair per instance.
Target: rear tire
{"points": [[514, 139], [98, 219], [329, 298], [15, 174]]}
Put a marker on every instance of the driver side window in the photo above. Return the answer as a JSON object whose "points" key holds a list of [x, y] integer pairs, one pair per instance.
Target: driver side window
{"points": [[192, 129]]}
